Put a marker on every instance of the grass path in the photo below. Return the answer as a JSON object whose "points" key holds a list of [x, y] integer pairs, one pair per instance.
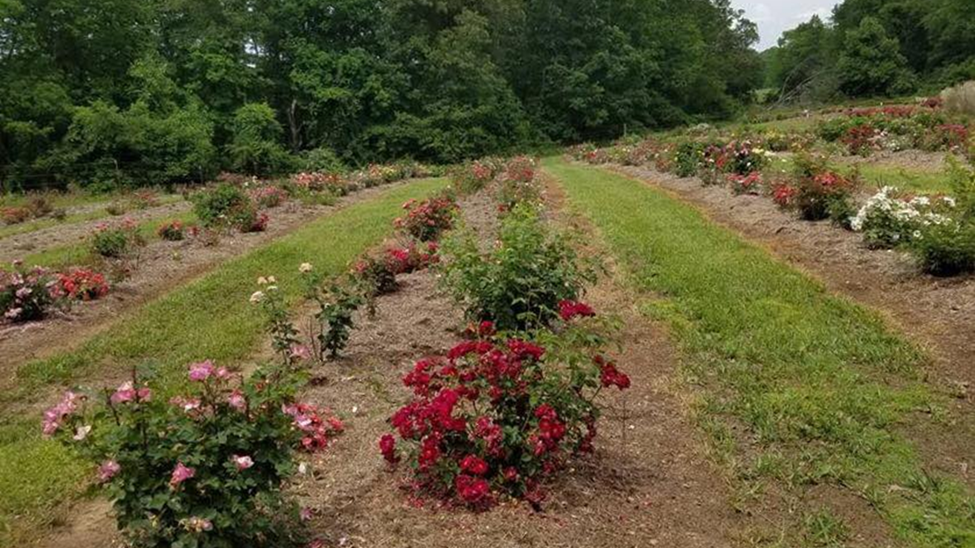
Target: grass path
{"points": [[797, 389], [208, 318]]}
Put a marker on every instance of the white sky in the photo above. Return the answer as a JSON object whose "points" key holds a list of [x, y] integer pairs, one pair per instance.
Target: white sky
{"points": [[776, 16]]}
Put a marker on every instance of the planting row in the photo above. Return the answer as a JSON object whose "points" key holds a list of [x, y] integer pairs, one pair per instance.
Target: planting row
{"points": [[495, 417], [232, 204], [938, 230]]}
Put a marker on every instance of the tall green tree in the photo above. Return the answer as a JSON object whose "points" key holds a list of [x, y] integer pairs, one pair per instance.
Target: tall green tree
{"points": [[871, 62]]}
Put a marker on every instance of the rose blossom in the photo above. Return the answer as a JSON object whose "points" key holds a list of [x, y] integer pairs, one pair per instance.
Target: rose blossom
{"points": [[202, 371], [181, 473], [108, 469], [237, 400], [243, 462]]}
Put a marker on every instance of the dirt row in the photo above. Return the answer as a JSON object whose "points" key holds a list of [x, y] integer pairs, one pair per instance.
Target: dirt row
{"points": [[936, 313], [18, 246], [649, 483]]}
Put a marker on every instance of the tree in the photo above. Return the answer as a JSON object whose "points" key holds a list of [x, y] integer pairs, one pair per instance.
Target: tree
{"points": [[871, 62], [256, 145]]}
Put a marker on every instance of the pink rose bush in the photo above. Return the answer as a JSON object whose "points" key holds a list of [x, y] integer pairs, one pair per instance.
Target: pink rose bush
{"points": [[203, 468]]}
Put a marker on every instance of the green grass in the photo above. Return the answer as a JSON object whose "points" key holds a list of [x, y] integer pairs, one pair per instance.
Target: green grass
{"points": [[915, 180], [796, 386], [208, 318]]}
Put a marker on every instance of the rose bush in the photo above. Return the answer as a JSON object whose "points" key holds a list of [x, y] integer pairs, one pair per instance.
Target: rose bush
{"points": [[203, 469], [82, 284], [497, 417], [27, 294], [519, 284], [426, 219]]}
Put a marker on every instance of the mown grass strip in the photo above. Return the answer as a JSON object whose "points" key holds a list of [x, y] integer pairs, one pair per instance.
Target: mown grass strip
{"points": [[819, 383], [208, 318]]}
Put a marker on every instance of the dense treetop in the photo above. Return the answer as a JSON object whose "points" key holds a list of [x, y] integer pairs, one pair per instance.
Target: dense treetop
{"points": [[876, 48], [117, 92]]}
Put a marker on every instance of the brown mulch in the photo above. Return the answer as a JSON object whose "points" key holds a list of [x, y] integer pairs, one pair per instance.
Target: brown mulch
{"points": [[936, 313]]}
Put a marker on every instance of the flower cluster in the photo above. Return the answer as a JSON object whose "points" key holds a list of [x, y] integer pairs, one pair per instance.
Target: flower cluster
{"points": [[318, 182], [570, 310], [172, 231], [427, 219], [746, 184], [26, 294], [268, 196], [82, 284], [495, 418], [204, 468], [317, 426], [890, 218], [405, 260]]}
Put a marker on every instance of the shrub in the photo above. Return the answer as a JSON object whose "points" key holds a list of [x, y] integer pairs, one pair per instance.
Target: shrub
{"points": [[746, 184], [946, 249], [249, 221], [203, 469], [144, 199], [960, 99], [224, 205], [322, 159], [39, 206], [26, 295], [319, 181], [268, 196], [519, 284], [688, 158], [404, 260], [82, 284], [890, 218], [818, 193], [255, 147], [115, 241], [334, 319], [494, 418], [376, 275], [518, 183], [427, 219], [171, 231], [15, 215], [474, 176]]}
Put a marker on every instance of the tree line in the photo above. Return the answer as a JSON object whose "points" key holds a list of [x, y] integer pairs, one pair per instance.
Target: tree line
{"points": [[122, 92], [873, 48]]}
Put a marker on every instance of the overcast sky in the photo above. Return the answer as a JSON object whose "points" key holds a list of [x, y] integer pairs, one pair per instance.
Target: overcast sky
{"points": [[776, 16]]}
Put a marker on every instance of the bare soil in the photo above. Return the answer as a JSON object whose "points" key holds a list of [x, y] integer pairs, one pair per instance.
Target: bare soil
{"points": [[936, 313], [911, 160]]}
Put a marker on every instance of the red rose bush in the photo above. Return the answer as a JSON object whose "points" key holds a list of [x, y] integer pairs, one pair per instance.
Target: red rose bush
{"points": [[494, 418]]}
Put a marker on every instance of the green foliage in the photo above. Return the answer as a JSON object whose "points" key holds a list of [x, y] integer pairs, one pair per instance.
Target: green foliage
{"points": [[223, 205], [946, 249], [107, 92], [115, 241], [206, 471], [519, 284], [871, 63], [255, 147]]}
